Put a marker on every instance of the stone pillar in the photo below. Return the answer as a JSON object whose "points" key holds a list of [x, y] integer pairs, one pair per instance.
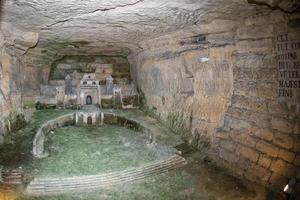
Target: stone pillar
{"points": [[109, 84], [2, 130]]}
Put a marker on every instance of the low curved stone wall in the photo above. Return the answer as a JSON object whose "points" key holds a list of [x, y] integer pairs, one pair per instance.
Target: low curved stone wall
{"points": [[39, 139], [71, 119], [114, 119]]}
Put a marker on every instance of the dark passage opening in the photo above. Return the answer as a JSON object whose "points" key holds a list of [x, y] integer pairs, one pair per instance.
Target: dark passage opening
{"points": [[88, 100], [89, 120]]}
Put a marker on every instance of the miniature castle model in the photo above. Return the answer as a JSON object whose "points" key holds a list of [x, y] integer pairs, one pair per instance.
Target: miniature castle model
{"points": [[73, 92], [89, 91]]}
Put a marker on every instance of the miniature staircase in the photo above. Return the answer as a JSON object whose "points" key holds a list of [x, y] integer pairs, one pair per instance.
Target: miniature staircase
{"points": [[52, 186], [12, 178], [184, 149]]}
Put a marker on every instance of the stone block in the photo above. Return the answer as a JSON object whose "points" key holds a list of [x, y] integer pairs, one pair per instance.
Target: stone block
{"points": [[2, 127], [265, 134], [283, 140], [187, 86], [228, 145], [243, 74], [254, 32], [265, 91], [251, 177], [296, 129], [252, 118], [248, 153], [220, 39], [228, 156], [281, 167], [267, 148], [262, 173], [222, 134], [64, 66], [278, 180], [282, 125], [1, 139], [237, 124], [255, 46], [266, 75], [243, 163], [252, 104], [297, 146], [275, 107], [251, 61], [257, 20], [297, 160], [219, 25], [264, 160], [286, 155], [244, 138]]}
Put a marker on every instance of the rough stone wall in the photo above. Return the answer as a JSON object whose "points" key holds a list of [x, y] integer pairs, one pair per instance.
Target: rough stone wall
{"points": [[260, 137], [13, 44], [217, 83], [10, 96], [77, 66], [186, 78]]}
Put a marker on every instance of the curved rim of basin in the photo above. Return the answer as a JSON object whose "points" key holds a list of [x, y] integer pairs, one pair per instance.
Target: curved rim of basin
{"points": [[53, 186], [38, 150], [62, 185]]}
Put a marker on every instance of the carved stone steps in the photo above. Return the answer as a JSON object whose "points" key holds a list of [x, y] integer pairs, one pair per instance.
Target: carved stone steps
{"points": [[12, 178], [49, 186], [110, 175]]}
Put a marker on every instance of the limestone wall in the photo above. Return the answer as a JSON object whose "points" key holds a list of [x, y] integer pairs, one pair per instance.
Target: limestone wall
{"points": [[260, 137], [216, 85], [10, 91], [13, 44], [102, 66], [187, 79]]}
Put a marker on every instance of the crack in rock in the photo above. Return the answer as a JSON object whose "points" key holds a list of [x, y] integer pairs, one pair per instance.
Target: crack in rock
{"points": [[92, 12]]}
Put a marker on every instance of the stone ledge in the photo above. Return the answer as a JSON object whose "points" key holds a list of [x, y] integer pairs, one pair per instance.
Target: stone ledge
{"points": [[50, 186]]}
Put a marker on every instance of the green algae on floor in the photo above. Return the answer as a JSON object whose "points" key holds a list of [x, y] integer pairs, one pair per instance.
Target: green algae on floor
{"points": [[17, 147], [92, 150], [199, 180]]}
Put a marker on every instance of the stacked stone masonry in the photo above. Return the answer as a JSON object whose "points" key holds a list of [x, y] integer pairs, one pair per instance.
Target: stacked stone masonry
{"points": [[254, 135], [210, 74], [259, 137]]}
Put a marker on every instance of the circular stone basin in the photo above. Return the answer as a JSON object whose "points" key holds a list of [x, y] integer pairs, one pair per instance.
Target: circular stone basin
{"points": [[77, 151]]}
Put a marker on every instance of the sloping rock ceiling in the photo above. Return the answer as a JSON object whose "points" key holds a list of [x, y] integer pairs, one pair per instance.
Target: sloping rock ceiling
{"points": [[112, 26]]}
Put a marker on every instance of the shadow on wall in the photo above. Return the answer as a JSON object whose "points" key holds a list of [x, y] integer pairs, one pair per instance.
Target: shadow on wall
{"points": [[1, 8]]}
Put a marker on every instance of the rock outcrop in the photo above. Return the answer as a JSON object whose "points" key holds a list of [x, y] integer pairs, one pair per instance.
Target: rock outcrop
{"points": [[286, 5], [216, 84], [13, 44], [206, 68]]}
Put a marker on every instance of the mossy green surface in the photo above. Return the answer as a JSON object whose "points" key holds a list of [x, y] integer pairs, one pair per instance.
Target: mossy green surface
{"points": [[119, 147], [28, 104], [17, 147], [94, 150], [194, 181], [15, 121]]}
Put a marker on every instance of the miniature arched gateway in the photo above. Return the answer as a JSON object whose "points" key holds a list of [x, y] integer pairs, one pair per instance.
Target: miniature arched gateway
{"points": [[89, 100], [89, 91]]}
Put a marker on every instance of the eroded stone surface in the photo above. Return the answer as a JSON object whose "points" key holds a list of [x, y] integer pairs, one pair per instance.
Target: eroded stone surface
{"points": [[287, 5], [112, 27], [206, 68], [239, 115]]}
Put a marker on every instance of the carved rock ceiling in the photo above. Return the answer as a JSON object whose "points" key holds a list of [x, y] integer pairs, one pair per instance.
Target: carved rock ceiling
{"points": [[114, 26]]}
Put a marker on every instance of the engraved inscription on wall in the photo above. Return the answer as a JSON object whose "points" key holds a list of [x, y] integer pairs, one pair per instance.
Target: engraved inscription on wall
{"points": [[288, 63]]}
